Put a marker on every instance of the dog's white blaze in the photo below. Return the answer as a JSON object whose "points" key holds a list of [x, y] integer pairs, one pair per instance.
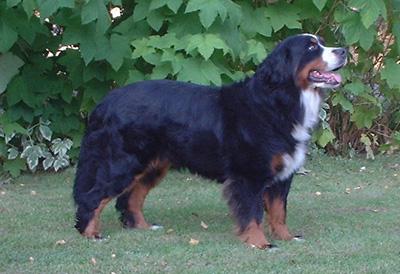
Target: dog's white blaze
{"points": [[310, 101], [329, 57]]}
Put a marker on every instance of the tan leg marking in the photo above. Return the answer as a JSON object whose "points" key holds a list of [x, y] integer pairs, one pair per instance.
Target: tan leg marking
{"points": [[135, 204], [142, 185], [93, 228], [276, 215], [253, 235]]}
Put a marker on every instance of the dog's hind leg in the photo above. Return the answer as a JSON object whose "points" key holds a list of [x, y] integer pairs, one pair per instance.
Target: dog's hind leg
{"points": [[130, 203]]}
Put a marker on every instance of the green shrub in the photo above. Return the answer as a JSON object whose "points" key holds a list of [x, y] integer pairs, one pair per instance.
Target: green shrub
{"points": [[59, 58]]}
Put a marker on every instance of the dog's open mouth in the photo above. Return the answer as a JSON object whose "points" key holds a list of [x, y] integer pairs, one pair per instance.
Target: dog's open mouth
{"points": [[327, 77]]}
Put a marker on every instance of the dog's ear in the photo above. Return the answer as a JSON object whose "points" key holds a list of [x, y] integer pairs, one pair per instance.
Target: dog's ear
{"points": [[277, 68]]}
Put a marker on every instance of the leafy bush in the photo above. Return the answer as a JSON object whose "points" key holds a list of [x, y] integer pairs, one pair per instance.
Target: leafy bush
{"points": [[37, 144], [59, 58]]}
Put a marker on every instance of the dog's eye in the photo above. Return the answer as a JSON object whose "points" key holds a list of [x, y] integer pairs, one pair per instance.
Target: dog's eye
{"points": [[313, 46]]}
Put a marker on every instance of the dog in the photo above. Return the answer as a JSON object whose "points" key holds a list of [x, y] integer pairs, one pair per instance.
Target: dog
{"points": [[252, 136]]}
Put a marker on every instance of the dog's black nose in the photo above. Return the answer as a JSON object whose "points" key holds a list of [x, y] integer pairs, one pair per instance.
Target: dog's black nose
{"points": [[342, 52]]}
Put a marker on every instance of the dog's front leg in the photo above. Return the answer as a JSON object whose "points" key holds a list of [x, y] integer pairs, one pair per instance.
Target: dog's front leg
{"points": [[245, 199]]}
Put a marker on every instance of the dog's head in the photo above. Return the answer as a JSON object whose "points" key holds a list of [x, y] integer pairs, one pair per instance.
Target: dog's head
{"points": [[306, 61]]}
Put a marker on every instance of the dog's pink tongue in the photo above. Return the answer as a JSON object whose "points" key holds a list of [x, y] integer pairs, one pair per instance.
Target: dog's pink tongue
{"points": [[337, 77]]}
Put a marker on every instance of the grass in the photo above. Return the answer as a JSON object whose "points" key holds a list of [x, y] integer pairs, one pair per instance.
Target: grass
{"points": [[354, 232]]}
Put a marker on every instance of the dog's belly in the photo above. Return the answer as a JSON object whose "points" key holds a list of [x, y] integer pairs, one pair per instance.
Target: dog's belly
{"points": [[200, 152]]}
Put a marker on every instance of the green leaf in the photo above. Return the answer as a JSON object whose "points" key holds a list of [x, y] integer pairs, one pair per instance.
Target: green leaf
{"points": [[354, 31], [119, 49], [155, 19], [14, 167], [134, 76], [357, 88], [391, 73], [367, 38], [89, 12], [255, 21], [369, 10], [174, 5], [60, 147], [61, 162], [8, 36], [48, 162], [176, 60], [205, 44], [339, 99], [18, 91], [29, 7], [168, 40], [155, 4], [142, 48], [191, 72], [48, 7], [32, 155], [208, 10], [141, 10], [67, 93], [9, 65], [183, 24], [95, 91], [153, 58], [12, 3], [352, 27], [255, 50], [363, 116], [46, 132], [161, 71], [12, 153], [96, 10], [211, 72], [12, 128], [320, 4], [92, 43], [396, 32], [234, 12], [325, 137], [290, 18]]}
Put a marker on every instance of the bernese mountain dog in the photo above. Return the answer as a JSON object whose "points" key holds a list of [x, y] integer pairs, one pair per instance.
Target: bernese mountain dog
{"points": [[251, 136]]}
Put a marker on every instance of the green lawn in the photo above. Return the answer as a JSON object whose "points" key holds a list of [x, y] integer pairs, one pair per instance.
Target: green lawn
{"points": [[353, 232]]}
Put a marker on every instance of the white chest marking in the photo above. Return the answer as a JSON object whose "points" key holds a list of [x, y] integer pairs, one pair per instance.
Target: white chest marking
{"points": [[310, 101]]}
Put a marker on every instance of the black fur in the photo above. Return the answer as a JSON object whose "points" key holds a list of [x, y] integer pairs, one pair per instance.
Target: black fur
{"points": [[228, 134]]}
